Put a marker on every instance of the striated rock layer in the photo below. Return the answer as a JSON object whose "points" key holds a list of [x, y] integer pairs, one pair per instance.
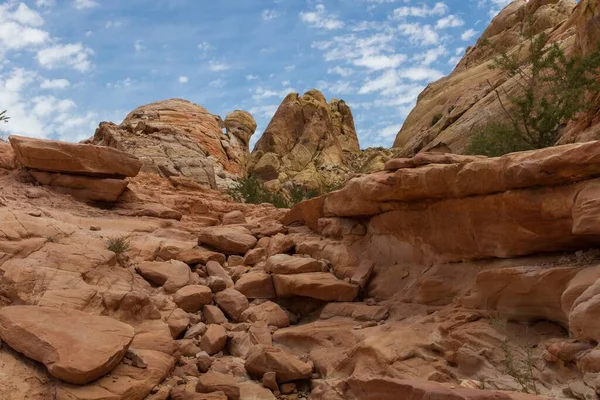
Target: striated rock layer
{"points": [[465, 98], [177, 138]]}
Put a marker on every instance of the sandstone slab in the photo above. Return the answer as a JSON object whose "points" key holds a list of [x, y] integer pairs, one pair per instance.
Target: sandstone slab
{"points": [[286, 264], [213, 381], [268, 312], [256, 285], [263, 359], [75, 346], [172, 275], [191, 298], [74, 158], [228, 240], [316, 285], [232, 302]]}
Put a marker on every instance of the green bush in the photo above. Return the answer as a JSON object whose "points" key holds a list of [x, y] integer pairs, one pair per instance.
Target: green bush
{"points": [[299, 193], [3, 116], [118, 245], [436, 118], [496, 139], [253, 191], [551, 90]]}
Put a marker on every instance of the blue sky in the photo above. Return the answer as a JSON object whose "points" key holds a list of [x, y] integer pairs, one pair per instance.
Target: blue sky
{"points": [[66, 65]]}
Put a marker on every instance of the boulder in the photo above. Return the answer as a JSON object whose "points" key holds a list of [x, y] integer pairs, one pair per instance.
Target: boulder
{"points": [[263, 359], [172, 275], [363, 273], [280, 244], [183, 394], [74, 158], [75, 346], [200, 255], [228, 240], [214, 340], [255, 256], [254, 391], [213, 315], [235, 217], [269, 312], [256, 285], [83, 187], [215, 269], [178, 321], [232, 302], [316, 285], [286, 264], [7, 156], [213, 381], [192, 298], [216, 283]]}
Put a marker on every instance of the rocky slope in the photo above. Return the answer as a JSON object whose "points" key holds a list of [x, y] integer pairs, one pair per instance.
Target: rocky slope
{"points": [[418, 281], [465, 98], [176, 138], [308, 142]]}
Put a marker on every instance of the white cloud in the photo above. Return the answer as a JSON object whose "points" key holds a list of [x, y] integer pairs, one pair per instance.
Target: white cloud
{"points": [[451, 21], [112, 24], [319, 18], [337, 70], [138, 46], [468, 34], [378, 62], [438, 9], [83, 4], [268, 15], [26, 16], [419, 34], [44, 3], [431, 55], [251, 77], [264, 111], [72, 55], [420, 74], [125, 83], [55, 84], [216, 66], [204, 48], [183, 79], [217, 83], [290, 68], [337, 88], [19, 27], [261, 93]]}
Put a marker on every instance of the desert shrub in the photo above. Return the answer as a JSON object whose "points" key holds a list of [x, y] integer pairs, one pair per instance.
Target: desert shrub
{"points": [[496, 139], [436, 118], [517, 359], [299, 193], [3, 116], [551, 89], [253, 191], [118, 244]]}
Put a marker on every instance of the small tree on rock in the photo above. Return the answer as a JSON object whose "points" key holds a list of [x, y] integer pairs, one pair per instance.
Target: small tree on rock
{"points": [[551, 90]]}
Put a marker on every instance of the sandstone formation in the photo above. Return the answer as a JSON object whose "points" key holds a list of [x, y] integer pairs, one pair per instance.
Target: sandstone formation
{"points": [[75, 347], [87, 172], [465, 98], [178, 139], [307, 142]]}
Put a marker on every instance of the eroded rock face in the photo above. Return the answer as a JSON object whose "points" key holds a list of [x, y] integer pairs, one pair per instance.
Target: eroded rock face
{"points": [[177, 138], [76, 347], [306, 142], [464, 98]]}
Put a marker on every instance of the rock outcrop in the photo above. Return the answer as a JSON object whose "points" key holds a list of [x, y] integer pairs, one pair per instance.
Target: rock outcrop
{"points": [[308, 142], [465, 98], [85, 171], [177, 138]]}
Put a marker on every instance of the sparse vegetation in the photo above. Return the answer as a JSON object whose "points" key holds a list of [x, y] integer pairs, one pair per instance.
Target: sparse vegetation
{"points": [[252, 190], [451, 108], [3, 116], [551, 90], [436, 118], [118, 244], [299, 193], [520, 369], [52, 239]]}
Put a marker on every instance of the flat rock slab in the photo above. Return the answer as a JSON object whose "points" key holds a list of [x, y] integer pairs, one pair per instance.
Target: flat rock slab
{"points": [[83, 187], [74, 158], [286, 264], [228, 240], [75, 346], [316, 285]]}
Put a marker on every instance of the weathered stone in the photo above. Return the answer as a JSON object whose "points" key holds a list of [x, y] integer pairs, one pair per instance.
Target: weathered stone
{"points": [[255, 256], [232, 302], [213, 268], [199, 255], [75, 346], [217, 382], [73, 158], [214, 340], [316, 285], [286, 264], [234, 217], [269, 312], [363, 273], [228, 240], [83, 187], [172, 275], [256, 285], [192, 298], [263, 359], [214, 315]]}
